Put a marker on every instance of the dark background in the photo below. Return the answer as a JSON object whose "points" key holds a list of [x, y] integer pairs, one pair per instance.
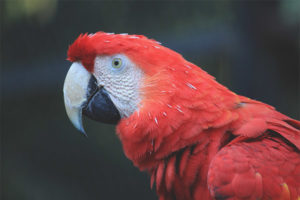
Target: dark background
{"points": [[250, 46]]}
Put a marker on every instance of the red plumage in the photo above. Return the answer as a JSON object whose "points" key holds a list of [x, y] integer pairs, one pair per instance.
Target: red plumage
{"points": [[196, 138]]}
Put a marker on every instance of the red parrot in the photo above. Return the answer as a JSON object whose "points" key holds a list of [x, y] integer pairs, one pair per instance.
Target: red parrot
{"points": [[196, 138]]}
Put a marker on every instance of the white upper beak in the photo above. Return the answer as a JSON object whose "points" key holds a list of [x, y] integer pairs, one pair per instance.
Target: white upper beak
{"points": [[75, 93]]}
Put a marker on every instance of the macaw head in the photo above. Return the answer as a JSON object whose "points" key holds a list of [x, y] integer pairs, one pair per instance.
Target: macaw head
{"points": [[115, 75]]}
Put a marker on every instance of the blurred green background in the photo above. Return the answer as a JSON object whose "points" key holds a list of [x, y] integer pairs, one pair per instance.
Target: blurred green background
{"points": [[250, 46]]}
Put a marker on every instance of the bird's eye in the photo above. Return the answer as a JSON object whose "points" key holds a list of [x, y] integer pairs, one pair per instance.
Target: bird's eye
{"points": [[117, 63]]}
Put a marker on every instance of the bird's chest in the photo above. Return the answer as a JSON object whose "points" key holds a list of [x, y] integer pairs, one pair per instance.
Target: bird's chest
{"points": [[183, 175]]}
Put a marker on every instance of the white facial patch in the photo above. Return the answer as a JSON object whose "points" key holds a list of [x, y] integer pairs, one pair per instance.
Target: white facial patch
{"points": [[121, 78]]}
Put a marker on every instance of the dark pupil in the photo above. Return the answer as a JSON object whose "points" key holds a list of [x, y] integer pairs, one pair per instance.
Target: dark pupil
{"points": [[116, 63]]}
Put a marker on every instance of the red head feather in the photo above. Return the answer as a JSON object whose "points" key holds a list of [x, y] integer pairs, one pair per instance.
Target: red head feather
{"points": [[140, 49]]}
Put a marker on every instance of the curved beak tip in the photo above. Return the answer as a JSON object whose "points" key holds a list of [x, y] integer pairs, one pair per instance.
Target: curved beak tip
{"points": [[83, 132], [79, 127], [75, 116]]}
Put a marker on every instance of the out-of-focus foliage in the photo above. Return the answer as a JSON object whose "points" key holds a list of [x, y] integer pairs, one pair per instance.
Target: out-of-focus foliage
{"points": [[250, 46], [42, 10], [290, 11]]}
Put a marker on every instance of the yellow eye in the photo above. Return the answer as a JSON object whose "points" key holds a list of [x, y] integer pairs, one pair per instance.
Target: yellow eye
{"points": [[116, 63]]}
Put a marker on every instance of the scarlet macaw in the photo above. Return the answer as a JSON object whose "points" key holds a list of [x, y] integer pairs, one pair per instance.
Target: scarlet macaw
{"points": [[196, 138]]}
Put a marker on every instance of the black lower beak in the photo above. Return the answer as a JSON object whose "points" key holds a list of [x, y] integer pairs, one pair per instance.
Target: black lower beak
{"points": [[99, 106]]}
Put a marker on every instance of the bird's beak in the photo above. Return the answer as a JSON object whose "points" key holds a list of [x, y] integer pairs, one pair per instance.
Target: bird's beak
{"points": [[82, 95]]}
